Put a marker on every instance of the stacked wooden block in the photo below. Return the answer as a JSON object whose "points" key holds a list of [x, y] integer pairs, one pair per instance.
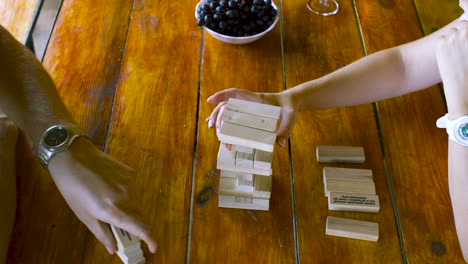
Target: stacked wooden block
{"points": [[349, 190], [250, 129], [128, 247]]}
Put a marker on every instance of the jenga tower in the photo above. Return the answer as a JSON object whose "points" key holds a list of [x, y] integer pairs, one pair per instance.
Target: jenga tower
{"points": [[250, 128]]}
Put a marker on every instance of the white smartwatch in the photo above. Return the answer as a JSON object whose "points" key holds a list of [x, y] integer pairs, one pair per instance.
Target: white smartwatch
{"points": [[56, 139], [456, 129]]}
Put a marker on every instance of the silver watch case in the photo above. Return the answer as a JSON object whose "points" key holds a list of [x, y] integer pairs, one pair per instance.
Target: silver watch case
{"points": [[456, 129], [56, 139]]}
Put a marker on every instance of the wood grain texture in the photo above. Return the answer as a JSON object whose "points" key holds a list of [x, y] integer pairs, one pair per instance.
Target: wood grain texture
{"points": [[315, 46], [417, 164], [83, 58], [435, 14], [17, 16], [235, 235], [153, 121]]}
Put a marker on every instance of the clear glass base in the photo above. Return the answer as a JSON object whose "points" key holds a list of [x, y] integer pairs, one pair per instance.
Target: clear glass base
{"points": [[323, 7]]}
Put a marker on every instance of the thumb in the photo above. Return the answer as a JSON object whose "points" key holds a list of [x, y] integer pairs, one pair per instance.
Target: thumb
{"points": [[288, 119]]}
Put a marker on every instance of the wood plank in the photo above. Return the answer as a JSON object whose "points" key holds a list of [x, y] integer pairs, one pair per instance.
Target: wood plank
{"points": [[17, 16], [349, 187], [435, 14], [353, 202], [246, 136], [341, 154], [249, 120], [253, 108], [84, 60], [343, 227], [220, 235], [422, 199], [314, 46], [332, 173], [154, 118]]}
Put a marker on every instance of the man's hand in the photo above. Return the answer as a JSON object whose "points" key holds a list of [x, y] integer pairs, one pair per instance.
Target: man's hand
{"points": [[288, 109], [96, 187]]}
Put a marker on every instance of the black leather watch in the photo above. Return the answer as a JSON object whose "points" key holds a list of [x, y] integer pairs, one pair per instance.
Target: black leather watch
{"points": [[56, 139]]}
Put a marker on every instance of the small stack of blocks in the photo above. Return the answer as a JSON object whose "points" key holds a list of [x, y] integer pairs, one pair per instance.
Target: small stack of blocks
{"points": [[250, 128], [128, 247], [349, 190]]}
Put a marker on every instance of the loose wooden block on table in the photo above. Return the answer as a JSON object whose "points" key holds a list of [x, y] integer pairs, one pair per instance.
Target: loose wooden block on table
{"points": [[263, 159], [254, 108], [349, 187], [355, 202], [350, 228], [340, 154], [330, 173], [249, 120], [226, 162], [227, 201], [247, 136]]}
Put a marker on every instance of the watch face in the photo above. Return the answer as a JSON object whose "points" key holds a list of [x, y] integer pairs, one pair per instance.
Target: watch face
{"points": [[56, 136], [463, 131]]}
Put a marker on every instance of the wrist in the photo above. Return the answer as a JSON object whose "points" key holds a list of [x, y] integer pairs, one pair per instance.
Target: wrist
{"points": [[81, 147]]}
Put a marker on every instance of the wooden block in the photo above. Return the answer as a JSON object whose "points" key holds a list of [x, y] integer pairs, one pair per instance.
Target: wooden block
{"points": [[355, 202], [226, 156], [226, 162], [247, 136], [349, 187], [262, 186], [254, 108], [330, 173], [263, 159], [128, 246], [350, 228], [248, 120], [244, 149], [228, 174], [340, 154], [244, 159], [123, 238], [227, 183], [245, 184], [243, 203]]}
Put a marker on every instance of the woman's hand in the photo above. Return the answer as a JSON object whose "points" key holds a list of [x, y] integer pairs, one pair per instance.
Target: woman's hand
{"points": [[288, 109]]}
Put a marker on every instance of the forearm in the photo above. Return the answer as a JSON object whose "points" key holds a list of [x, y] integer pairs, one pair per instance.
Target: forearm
{"points": [[27, 93], [385, 74], [458, 185]]}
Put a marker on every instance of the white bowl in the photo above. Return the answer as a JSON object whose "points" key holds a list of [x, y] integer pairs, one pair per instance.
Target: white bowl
{"points": [[239, 40]]}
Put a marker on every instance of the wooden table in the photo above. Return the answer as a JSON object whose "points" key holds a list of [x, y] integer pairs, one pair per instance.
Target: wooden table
{"points": [[136, 75]]}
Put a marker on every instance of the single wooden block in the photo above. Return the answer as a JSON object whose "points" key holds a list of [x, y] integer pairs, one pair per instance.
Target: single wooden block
{"points": [[350, 228], [330, 173], [226, 162], [247, 136], [128, 246], [227, 183], [228, 174], [243, 203], [355, 202], [340, 154], [226, 156], [254, 108], [262, 186], [123, 238], [263, 159], [244, 159], [349, 187], [244, 149], [248, 120]]}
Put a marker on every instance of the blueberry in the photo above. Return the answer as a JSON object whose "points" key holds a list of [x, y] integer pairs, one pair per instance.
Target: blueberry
{"points": [[219, 9], [267, 2], [246, 27], [222, 25], [217, 16], [257, 2], [213, 5], [273, 12], [232, 3], [260, 22], [200, 22], [208, 19], [266, 18], [206, 7], [223, 3], [254, 9], [261, 13], [246, 8]]}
